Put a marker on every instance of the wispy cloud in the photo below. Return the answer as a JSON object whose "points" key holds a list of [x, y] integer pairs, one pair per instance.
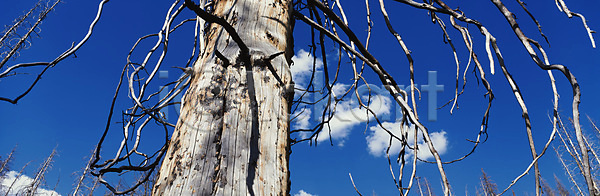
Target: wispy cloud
{"points": [[303, 66], [348, 114], [20, 183], [303, 193], [378, 140], [301, 73], [302, 118]]}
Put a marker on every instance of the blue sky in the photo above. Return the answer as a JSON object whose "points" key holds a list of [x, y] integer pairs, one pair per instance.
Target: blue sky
{"points": [[68, 108]]}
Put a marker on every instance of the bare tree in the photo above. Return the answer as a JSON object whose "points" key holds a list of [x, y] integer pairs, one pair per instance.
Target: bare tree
{"points": [[40, 175], [570, 173], [424, 187], [12, 41], [573, 162], [5, 164], [82, 184], [547, 189], [23, 185], [9, 35], [562, 191], [233, 134], [11, 186], [488, 187]]}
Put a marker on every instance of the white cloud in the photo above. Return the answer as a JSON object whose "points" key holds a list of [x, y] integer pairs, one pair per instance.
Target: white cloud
{"points": [[303, 66], [302, 118], [378, 140], [20, 184], [348, 114], [303, 193], [339, 89], [301, 72]]}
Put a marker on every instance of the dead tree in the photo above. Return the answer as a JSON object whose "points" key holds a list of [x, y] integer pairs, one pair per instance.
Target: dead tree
{"points": [[571, 157], [12, 41], [11, 186], [40, 175], [488, 187], [236, 106], [232, 136], [5, 164], [10, 34]]}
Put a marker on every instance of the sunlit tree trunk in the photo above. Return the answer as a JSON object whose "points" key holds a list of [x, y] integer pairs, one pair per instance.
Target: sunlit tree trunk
{"points": [[232, 134]]}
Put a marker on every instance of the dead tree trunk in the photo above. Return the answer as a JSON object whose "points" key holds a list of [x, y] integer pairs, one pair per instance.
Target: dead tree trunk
{"points": [[232, 134]]}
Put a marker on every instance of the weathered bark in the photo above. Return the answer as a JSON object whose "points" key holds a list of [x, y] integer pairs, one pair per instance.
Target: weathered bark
{"points": [[232, 134]]}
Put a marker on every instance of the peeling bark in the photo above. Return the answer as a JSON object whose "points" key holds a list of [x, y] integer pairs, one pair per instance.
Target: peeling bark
{"points": [[232, 136]]}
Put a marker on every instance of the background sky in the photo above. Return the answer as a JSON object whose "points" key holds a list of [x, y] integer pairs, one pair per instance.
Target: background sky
{"points": [[68, 108]]}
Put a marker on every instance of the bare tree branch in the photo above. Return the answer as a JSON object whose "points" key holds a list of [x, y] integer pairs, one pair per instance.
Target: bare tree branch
{"points": [[58, 59]]}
